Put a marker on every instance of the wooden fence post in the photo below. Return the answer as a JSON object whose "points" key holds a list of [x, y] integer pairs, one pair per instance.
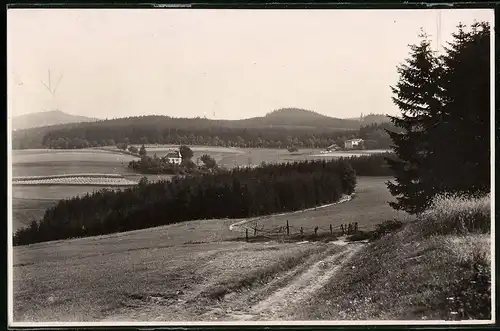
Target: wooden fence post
{"points": [[246, 234], [331, 230], [355, 226], [287, 228], [316, 230], [255, 231], [301, 232], [349, 228], [342, 228]]}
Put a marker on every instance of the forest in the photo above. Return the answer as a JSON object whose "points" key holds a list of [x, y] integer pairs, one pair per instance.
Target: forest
{"points": [[237, 193], [151, 130]]}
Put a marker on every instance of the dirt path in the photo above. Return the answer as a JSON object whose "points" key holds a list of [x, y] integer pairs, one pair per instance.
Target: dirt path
{"points": [[277, 299], [279, 304]]}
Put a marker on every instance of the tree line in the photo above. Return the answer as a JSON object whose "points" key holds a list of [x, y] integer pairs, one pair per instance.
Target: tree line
{"points": [[444, 143], [110, 133], [233, 194]]}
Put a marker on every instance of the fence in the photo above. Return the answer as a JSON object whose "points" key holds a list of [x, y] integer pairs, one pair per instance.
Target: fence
{"points": [[290, 231]]}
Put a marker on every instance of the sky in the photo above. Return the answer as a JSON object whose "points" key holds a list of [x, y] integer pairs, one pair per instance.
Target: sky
{"points": [[223, 64]]}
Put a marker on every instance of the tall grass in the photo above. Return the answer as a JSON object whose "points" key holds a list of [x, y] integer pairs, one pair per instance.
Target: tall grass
{"points": [[457, 214]]}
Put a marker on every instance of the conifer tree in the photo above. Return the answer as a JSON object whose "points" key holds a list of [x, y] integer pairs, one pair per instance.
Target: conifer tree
{"points": [[417, 96], [445, 105], [462, 140]]}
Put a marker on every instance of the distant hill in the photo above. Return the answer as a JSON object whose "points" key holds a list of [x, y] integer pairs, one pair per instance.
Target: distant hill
{"points": [[372, 119], [46, 118], [299, 118]]}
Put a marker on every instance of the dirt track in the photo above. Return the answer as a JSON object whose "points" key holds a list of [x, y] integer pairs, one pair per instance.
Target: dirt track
{"points": [[276, 299]]}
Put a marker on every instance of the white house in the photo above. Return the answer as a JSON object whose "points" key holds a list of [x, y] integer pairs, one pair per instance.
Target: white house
{"points": [[353, 143], [173, 157]]}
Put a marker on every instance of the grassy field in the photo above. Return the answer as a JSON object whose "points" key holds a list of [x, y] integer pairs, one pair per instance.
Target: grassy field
{"points": [[183, 271]]}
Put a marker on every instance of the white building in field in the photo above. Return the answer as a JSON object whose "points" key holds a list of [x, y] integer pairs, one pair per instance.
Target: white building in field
{"points": [[353, 143], [173, 157]]}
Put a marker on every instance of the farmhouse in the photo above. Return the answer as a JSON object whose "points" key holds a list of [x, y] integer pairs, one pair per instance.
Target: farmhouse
{"points": [[353, 143], [173, 157]]}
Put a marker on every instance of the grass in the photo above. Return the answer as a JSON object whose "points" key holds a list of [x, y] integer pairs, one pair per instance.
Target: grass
{"points": [[427, 270], [26, 210], [457, 215], [261, 275], [369, 207]]}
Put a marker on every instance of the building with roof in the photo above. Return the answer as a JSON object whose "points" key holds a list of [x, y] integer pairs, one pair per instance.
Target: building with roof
{"points": [[353, 143], [173, 157]]}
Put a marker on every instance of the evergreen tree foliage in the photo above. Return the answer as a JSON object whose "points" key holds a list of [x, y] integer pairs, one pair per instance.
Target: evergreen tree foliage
{"points": [[444, 101]]}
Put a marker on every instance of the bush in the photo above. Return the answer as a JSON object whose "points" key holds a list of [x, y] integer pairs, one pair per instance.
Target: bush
{"points": [[386, 227], [133, 149], [208, 161], [122, 146]]}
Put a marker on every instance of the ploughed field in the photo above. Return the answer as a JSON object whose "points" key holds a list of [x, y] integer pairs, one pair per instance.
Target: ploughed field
{"points": [[191, 271]]}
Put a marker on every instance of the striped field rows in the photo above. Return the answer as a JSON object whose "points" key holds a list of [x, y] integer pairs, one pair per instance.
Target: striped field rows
{"points": [[75, 179]]}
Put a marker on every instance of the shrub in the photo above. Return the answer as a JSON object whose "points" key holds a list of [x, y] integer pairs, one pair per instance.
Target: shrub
{"points": [[208, 161], [122, 146], [386, 227]]}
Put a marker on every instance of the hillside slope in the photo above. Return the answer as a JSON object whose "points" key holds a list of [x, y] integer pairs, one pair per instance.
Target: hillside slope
{"points": [[437, 267], [46, 118]]}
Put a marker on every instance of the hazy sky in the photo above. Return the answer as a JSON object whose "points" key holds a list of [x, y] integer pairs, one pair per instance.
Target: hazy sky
{"points": [[236, 63]]}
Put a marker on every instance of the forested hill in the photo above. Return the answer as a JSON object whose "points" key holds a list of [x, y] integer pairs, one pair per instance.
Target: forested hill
{"points": [[299, 118], [279, 128]]}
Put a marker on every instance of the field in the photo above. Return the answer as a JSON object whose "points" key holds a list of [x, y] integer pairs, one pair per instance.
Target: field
{"points": [[183, 271]]}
